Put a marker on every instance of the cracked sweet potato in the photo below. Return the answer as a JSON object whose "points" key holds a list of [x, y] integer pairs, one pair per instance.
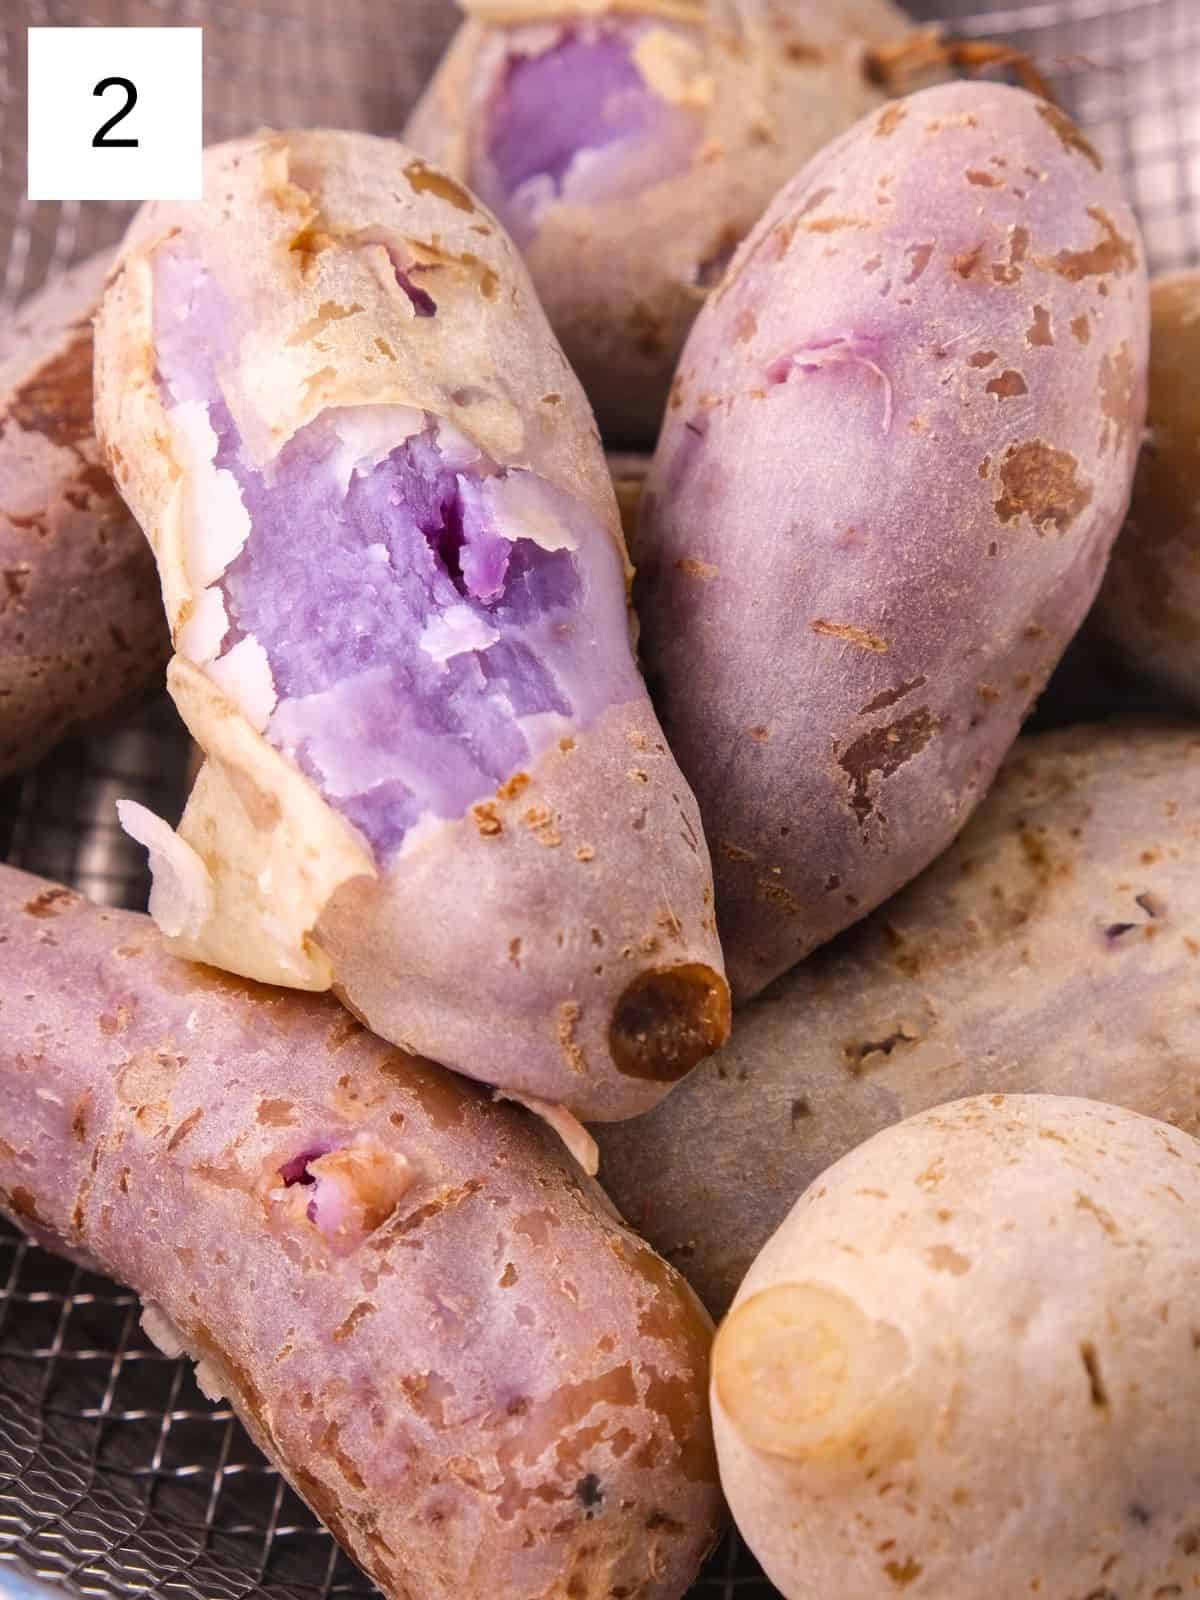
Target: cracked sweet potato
{"points": [[433, 1325], [1054, 947], [898, 449], [1149, 606], [395, 577], [81, 627], [630, 145], [968, 1363]]}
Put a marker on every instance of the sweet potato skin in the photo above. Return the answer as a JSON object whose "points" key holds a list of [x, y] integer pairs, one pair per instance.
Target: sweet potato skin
{"points": [[1149, 606], [1055, 947], [82, 633], [899, 447], [482, 1383]]}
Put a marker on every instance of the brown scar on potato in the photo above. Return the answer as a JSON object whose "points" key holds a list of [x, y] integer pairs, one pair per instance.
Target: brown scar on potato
{"points": [[889, 697], [1043, 484], [1011, 272], [852, 635], [890, 120], [57, 401], [1009, 385], [694, 568], [422, 178], [880, 752], [1117, 383], [1039, 332], [1082, 328], [1112, 254], [50, 902]]}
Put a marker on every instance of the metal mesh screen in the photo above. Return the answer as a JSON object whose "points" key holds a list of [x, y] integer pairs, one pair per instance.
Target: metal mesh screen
{"points": [[115, 1474]]}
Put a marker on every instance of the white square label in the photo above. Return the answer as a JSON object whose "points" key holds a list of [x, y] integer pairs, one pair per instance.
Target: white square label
{"points": [[115, 113]]}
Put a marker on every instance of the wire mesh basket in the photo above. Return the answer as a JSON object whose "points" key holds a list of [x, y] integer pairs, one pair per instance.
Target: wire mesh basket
{"points": [[116, 1475]]}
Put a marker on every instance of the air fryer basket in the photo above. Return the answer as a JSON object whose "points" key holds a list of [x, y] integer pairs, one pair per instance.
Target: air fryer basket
{"points": [[115, 1474]]}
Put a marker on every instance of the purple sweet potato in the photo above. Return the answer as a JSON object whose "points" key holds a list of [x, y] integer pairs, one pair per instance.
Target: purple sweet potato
{"points": [[82, 634], [898, 449], [395, 577], [1149, 606], [630, 145], [433, 1325]]}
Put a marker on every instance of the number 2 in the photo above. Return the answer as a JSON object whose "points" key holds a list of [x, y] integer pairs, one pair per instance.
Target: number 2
{"points": [[100, 141]]}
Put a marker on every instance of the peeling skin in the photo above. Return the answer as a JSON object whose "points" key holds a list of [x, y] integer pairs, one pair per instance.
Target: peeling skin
{"points": [[879, 753], [984, 505], [854, 1435], [337, 1274]]}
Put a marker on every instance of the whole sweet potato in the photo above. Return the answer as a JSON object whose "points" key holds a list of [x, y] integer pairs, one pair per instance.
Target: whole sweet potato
{"points": [[968, 1363], [899, 447], [1149, 606], [1054, 947], [81, 626], [437, 1330], [395, 578], [629, 147]]}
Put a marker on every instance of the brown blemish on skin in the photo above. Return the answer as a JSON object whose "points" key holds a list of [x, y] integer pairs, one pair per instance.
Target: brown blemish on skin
{"points": [[1068, 133], [921, 255], [852, 635], [981, 358], [57, 400], [569, 1014], [512, 787], [667, 1020], [1082, 329], [1111, 254], [1039, 333], [486, 820], [859, 1055], [1084, 1202], [890, 120], [441, 1096], [942, 1258], [880, 752], [1117, 385], [1012, 271], [694, 568], [1043, 484], [889, 697], [837, 224], [983, 180], [50, 902], [184, 1128], [1009, 385], [1091, 1366], [327, 312], [426, 180], [966, 261], [346, 1327], [735, 852], [902, 1573], [745, 326]]}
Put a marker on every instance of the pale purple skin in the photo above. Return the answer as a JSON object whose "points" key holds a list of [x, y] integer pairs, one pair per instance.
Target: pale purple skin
{"points": [[479, 1379], [899, 446], [555, 107], [337, 584], [1054, 948], [82, 635]]}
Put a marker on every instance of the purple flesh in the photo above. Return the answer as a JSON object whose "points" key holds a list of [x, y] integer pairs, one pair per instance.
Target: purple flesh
{"points": [[555, 108], [354, 589]]}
